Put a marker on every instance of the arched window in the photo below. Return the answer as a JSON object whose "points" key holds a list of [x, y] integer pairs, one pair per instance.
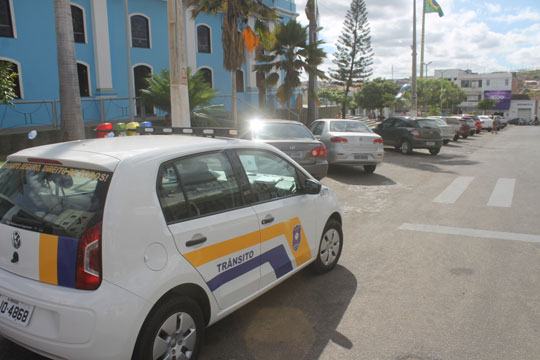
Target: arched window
{"points": [[140, 32], [207, 73], [239, 81], [14, 68], [77, 16], [84, 81], [6, 25], [203, 39], [140, 75]]}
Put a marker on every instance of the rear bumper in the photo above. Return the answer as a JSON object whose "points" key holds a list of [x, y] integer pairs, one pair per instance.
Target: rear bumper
{"points": [[427, 143], [317, 170], [73, 324], [367, 158]]}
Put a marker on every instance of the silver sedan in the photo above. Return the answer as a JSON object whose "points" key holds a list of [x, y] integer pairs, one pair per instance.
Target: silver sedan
{"points": [[349, 142]]}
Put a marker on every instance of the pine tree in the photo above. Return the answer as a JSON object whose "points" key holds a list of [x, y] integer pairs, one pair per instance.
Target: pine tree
{"points": [[354, 55]]}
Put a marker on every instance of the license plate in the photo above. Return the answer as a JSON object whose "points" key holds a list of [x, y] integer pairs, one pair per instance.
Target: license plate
{"points": [[296, 154], [15, 310], [430, 143], [360, 157]]}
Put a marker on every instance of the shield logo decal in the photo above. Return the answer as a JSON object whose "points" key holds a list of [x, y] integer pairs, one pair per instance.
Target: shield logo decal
{"points": [[297, 237], [16, 240]]}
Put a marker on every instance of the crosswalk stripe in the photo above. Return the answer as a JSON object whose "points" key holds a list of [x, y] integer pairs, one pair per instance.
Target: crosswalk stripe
{"points": [[503, 193], [454, 190]]}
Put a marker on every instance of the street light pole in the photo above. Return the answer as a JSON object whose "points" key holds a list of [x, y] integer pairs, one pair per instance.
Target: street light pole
{"points": [[414, 103]]}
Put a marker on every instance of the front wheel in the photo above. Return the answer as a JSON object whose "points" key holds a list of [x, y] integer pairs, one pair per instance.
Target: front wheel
{"points": [[330, 247], [370, 169], [434, 151], [173, 330], [456, 137]]}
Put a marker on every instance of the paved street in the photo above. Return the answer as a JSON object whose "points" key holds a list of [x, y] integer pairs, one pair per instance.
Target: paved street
{"points": [[441, 262]]}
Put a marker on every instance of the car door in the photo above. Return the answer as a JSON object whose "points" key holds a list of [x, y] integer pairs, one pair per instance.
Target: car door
{"points": [[212, 226], [387, 132], [290, 229]]}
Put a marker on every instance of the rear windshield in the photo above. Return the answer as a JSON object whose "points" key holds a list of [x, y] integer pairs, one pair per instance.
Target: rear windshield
{"points": [[271, 131], [349, 126], [52, 199], [427, 123], [452, 121]]}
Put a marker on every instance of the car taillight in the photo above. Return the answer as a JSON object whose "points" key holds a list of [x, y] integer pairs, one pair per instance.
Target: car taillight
{"points": [[377, 141], [89, 259], [337, 139], [318, 152], [415, 133]]}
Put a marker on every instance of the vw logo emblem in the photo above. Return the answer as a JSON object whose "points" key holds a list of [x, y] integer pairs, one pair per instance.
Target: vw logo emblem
{"points": [[16, 240]]}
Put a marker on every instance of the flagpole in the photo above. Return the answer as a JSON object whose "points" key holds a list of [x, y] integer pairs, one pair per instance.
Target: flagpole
{"points": [[422, 45], [413, 85]]}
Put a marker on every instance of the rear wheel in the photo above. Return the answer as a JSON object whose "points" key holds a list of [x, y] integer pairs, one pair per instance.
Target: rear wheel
{"points": [[434, 151], [329, 248], [369, 168], [173, 330], [456, 137], [446, 141], [465, 136], [405, 147]]}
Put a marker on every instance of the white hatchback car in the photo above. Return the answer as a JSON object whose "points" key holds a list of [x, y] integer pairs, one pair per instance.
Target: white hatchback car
{"points": [[129, 247]]}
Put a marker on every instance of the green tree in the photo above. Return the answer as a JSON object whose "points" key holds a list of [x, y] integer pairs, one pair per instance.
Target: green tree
{"points": [[486, 104], [7, 83], [376, 94], [201, 95], [354, 55], [235, 15], [70, 99], [290, 53]]}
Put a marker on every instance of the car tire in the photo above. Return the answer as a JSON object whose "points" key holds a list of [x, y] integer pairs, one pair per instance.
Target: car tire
{"points": [[465, 136], [370, 169], [456, 137], [434, 151], [175, 327], [329, 248], [405, 147], [446, 141]]}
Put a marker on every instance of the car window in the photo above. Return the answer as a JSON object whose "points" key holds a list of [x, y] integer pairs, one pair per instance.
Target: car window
{"points": [[52, 199], [452, 121], [402, 123], [269, 131], [197, 186], [427, 124], [317, 127], [349, 126], [270, 176], [387, 123]]}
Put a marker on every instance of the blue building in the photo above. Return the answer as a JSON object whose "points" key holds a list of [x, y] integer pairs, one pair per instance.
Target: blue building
{"points": [[28, 41]]}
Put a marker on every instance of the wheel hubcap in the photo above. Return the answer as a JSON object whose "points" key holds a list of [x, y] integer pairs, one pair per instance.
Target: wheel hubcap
{"points": [[404, 147], [176, 338], [330, 247]]}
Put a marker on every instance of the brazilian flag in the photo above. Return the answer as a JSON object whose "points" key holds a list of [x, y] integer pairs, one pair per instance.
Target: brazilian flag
{"points": [[431, 6]]}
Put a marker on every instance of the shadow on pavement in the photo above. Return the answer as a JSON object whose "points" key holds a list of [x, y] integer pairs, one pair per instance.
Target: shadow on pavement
{"points": [[295, 320], [355, 175], [421, 159]]}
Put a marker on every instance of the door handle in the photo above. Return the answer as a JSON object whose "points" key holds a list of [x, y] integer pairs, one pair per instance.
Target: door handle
{"points": [[267, 220], [197, 241]]}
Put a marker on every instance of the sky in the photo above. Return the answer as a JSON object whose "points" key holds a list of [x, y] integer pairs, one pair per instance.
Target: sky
{"points": [[482, 36]]}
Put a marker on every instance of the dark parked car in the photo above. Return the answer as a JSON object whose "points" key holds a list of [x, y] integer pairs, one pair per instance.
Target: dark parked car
{"points": [[517, 121], [406, 134], [294, 139]]}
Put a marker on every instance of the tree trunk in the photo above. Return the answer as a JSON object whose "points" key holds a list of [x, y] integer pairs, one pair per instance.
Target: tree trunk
{"points": [[70, 100]]}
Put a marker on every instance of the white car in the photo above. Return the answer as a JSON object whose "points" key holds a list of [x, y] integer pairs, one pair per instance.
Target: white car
{"points": [[128, 247], [447, 131], [487, 122]]}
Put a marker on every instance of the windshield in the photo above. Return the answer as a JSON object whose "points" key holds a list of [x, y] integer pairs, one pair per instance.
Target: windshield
{"points": [[272, 131], [349, 126], [52, 199]]}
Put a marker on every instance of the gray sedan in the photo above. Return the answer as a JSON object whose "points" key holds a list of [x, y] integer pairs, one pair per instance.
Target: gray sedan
{"points": [[349, 142]]}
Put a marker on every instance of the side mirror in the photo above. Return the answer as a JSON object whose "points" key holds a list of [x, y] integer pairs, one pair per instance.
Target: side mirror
{"points": [[312, 187]]}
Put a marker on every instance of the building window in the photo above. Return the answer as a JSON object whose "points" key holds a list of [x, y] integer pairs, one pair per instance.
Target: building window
{"points": [[487, 82], [203, 39], [84, 82], [141, 73], [77, 16], [6, 26], [239, 81], [140, 32], [207, 74], [15, 69], [506, 82]]}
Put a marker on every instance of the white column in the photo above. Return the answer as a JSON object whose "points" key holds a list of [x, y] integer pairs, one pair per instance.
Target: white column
{"points": [[251, 78], [191, 37], [102, 48]]}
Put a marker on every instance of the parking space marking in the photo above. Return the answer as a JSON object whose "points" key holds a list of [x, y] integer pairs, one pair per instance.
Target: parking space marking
{"points": [[486, 234], [454, 190], [502, 193]]}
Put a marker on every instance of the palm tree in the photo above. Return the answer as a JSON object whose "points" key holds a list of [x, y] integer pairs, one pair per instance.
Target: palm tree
{"points": [[290, 53], [235, 15], [70, 100]]}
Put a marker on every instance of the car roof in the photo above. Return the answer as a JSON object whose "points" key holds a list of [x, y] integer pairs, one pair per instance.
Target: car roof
{"points": [[108, 152]]}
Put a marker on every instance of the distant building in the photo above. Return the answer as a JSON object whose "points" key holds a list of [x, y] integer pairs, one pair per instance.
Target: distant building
{"points": [[28, 41]]}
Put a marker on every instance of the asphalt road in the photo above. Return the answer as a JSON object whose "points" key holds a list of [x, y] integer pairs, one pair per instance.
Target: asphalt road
{"points": [[441, 261]]}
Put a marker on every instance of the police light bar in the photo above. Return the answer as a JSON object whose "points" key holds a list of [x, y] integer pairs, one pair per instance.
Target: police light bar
{"points": [[197, 131]]}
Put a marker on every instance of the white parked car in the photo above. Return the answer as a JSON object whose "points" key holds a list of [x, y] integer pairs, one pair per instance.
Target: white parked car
{"points": [[487, 122], [447, 131], [129, 247]]}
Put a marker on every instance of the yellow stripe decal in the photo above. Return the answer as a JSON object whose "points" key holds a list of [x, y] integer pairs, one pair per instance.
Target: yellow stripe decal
{"points": [[210, 253], [48, 259]]}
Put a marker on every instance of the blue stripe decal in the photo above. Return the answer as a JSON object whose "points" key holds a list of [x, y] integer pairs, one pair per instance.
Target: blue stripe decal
{"points": [[277, 257], [67, 261]]}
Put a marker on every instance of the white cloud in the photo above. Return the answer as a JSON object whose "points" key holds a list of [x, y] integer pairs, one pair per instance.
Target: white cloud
{"points": [[523, 15]]}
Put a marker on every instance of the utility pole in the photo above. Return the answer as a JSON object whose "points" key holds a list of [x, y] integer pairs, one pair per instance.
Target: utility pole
{"points": [[414, 99], [313, 111], [177, 62], [422, 43]]}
